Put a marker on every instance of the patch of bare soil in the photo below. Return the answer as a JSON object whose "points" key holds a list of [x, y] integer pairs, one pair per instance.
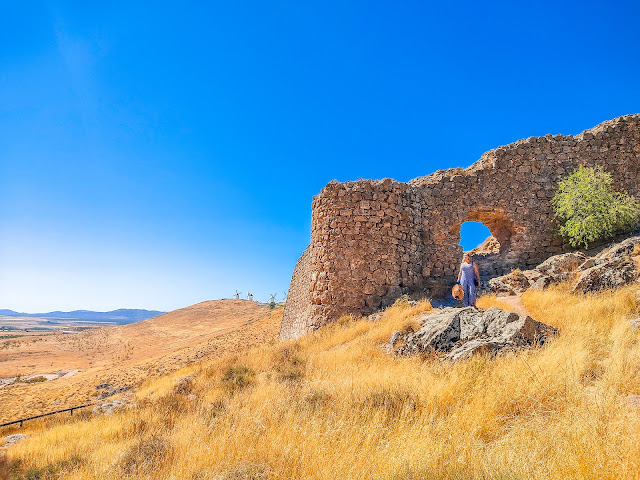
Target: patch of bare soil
{"points": [[513, 303]]}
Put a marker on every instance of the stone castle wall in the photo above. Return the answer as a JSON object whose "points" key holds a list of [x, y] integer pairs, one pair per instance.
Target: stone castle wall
{"points": [[298, 307], [372, 241]]}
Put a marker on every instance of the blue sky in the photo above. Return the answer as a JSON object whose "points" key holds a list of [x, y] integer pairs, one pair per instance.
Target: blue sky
{"points": [[157, 154]]}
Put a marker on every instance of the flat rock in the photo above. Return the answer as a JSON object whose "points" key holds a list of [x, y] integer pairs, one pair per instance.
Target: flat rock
{"points": [[461, 332], [109, 408], [13, 439]]}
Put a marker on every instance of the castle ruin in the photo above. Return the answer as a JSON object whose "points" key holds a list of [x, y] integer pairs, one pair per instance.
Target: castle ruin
{"points": [[372, 241]]}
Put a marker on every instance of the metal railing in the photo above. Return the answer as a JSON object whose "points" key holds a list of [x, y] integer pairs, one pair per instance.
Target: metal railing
{"points": [[22, 420]]}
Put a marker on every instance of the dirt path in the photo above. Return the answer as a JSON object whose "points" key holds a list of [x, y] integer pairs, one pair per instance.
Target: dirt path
{"points": [[515, 304]]}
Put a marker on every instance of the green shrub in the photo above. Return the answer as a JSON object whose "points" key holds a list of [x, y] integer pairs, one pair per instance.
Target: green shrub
{"points": [[590, 210], [35, 380]]}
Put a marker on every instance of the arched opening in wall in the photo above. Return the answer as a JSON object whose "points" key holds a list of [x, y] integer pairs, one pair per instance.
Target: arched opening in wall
{"points": [[488, 234], [475, 237]]}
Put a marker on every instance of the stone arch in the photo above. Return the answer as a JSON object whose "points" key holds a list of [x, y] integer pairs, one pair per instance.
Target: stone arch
{"points": [[476, 237], [503, 229], [497, 221]]}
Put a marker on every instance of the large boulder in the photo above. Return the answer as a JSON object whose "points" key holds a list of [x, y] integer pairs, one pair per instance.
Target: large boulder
{"points": [[559, 264], [460, 332], [619, 250], [614, 273], [613, 267], [510, 284]]}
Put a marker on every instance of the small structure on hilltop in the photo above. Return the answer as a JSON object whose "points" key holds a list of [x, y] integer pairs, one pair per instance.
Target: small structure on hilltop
{"points": [[237, 295], [372, 241]]}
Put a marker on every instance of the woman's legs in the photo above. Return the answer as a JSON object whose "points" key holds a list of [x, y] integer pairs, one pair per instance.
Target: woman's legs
{"points": [[472, 294], [469, 290], [465, 290]]}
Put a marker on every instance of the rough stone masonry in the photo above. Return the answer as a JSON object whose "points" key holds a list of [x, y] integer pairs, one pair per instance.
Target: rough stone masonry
{"points": [[372, 241]]}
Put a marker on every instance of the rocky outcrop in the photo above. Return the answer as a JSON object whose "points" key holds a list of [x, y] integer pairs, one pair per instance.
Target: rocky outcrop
{"points": [[559, 264], [614, 273], [511, 283], [458, 333], [108, 408], [613, 267], [373, 241]]}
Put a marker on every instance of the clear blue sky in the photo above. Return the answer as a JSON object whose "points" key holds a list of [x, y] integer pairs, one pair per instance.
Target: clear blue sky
{"points": [[157, 154]]}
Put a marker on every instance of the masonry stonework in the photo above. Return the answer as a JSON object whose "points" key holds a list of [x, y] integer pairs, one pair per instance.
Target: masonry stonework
{"points": [[372, 241]]}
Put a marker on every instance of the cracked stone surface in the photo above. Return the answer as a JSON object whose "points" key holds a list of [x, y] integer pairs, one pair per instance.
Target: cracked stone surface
{"points": [[459, 333]]}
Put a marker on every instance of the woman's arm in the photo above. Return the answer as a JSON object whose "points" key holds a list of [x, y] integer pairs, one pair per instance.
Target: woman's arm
{"points": [[475, 268], [459, 273]]}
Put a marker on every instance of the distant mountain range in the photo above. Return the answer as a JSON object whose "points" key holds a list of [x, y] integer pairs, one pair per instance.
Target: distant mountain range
{"points": [[122, 316]]}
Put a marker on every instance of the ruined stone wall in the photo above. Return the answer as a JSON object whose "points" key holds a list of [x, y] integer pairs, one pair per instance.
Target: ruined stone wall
{"points": [[298, 308], [372, 241]]}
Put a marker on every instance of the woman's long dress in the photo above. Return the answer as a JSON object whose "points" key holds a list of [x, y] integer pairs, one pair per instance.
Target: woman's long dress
{"points": [[467, 280]]}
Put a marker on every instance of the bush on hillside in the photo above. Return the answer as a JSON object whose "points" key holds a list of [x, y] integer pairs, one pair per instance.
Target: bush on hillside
{"points": [[590, 210], [288, 364], [238, 377]]}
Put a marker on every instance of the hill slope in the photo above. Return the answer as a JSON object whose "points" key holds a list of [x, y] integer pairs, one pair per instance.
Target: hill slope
{"points": [[124, 355], [333, 405]]}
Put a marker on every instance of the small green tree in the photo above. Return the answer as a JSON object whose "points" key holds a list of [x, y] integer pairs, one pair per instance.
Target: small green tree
{"points": [[590, 210]]}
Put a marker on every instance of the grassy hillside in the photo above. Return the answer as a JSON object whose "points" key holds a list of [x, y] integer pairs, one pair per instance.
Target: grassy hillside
{"points": [[125, 355], [334, 406]]}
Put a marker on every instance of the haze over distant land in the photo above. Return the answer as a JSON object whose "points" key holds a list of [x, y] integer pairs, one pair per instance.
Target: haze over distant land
{"points": [[122, 316], [157, 156]]}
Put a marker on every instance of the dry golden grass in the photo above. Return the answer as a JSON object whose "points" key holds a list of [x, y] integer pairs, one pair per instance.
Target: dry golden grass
{"points": [[345, 410], [126, 355]]}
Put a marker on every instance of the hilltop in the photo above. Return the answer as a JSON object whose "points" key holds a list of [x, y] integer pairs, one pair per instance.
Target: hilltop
{"points": [[125, 355]]}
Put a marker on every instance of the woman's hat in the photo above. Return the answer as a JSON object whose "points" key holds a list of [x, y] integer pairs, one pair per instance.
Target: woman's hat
{"points": [[457, 292]]}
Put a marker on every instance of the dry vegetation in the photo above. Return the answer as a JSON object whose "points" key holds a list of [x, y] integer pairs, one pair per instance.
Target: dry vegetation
{"points": [[126, 355], [333, 406]]}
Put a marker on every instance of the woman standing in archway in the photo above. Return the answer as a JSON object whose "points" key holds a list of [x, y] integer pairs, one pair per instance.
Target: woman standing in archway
{"points": [[468, 275]]}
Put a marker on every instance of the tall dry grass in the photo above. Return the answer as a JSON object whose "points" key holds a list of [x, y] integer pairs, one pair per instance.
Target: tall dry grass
{"points": [[333, 406]]}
